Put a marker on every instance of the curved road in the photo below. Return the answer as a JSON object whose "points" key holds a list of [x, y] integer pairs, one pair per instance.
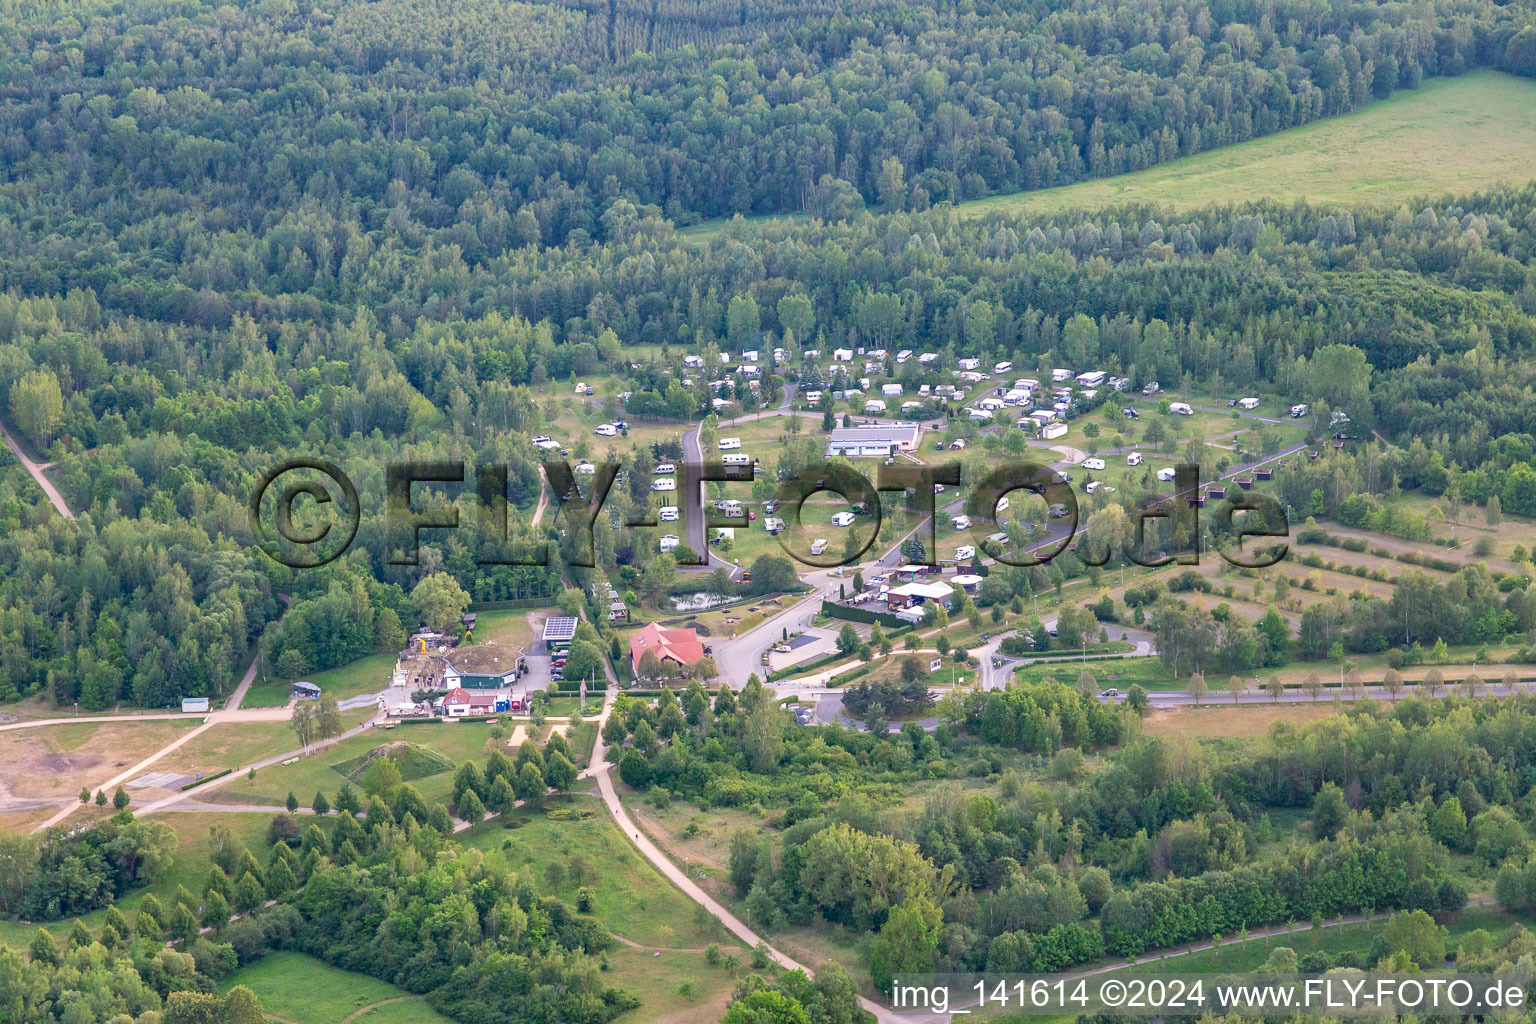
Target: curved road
{"points": [[600, 769]]}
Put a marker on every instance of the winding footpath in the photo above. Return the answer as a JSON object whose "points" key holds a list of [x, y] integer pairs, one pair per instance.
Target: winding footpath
{"points": [[601, 770], [35, 469]]}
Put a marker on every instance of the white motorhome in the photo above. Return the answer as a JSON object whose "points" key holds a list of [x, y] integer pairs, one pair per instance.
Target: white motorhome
{"points": [[961, 522], [669, 513], [1298, 411], [961, 554], [1182, 408], [818, 545]]}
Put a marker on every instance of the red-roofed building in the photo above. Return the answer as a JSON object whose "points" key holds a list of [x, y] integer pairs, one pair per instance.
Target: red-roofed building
{"points": [[459, 702], [681, 646]]}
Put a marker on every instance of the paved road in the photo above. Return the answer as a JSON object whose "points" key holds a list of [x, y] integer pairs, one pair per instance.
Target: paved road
{"points": [[168, 802], [35, 470]]}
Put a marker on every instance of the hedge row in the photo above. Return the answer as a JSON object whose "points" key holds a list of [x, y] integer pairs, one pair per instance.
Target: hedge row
{"points": [[513, 602], [842, 611], [206, 778]]}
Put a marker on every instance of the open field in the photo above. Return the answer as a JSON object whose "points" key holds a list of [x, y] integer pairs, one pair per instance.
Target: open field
{"points": [[504, 626], [630, 897], [456, 741], [1226, 721], [1412, 144], [57, 760], [304, 990], [232, 745], [674, 987], [365, 675]]}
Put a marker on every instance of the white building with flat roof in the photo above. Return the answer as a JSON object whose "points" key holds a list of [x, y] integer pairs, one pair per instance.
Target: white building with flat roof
{"points": [[879, 441]]}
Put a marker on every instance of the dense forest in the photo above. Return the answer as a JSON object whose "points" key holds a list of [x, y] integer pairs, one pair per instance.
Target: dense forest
{"points": [[1162, 843], [304, 231]]}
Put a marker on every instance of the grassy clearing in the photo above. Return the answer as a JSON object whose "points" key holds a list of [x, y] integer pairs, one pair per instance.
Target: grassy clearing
{"points": [[1451, 135], [630, 897], [365, 675], [1412, 144], [230, 746], [455, 741], [305, 990], [673, 988], [504, 626]]}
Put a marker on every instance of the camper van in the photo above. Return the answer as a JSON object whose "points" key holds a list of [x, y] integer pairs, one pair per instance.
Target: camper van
{"points": [[961, 522], [737, 459], [1094, 463], [729, 444], [818, 545], [1298, 411], [1133, 459], [1182, 408], [961, 554], [843, 519]]}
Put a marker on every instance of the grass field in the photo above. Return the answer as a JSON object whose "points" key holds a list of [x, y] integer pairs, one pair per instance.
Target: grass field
{"points": [[631, 898], [304, 990], [365, 675], [1419, 143], [56, 760], [455, 741]]}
